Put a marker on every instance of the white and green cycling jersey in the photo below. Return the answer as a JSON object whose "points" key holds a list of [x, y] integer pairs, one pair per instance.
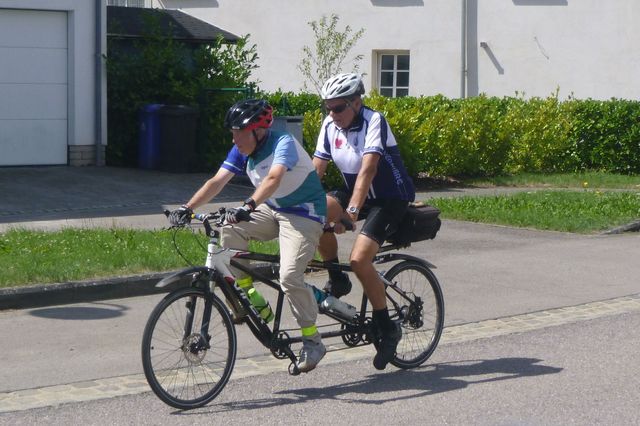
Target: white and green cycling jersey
{"points": [[300, 191]]}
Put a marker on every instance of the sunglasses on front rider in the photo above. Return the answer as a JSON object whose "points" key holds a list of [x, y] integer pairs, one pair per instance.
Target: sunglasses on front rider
{"points": [[338, 109]]}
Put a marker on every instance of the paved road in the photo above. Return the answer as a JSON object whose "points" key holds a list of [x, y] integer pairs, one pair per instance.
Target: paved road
{"points": [[570, 367]]}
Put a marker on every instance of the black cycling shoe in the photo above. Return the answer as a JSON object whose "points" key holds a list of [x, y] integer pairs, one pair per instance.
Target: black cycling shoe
{"points": [[386, 346], [339, 285]]}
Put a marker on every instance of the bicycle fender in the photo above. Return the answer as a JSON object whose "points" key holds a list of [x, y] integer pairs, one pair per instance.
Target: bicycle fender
{"points": [[173, 278], [401, 256]]}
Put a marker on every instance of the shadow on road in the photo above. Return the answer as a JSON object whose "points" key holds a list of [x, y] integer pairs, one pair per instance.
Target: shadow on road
{"points": [[104, 311], [425, 381]]}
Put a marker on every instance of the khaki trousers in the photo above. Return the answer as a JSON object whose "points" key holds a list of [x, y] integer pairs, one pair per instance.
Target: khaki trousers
{"points": [[298, 238]]}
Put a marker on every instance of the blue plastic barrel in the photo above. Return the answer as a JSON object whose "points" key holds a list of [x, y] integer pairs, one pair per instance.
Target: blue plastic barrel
{"points": [[149, 137]]}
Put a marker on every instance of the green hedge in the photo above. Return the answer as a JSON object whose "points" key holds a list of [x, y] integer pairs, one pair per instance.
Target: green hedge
{"points": [[606, 134], [289, 103], [489, 136], [438, 136]]}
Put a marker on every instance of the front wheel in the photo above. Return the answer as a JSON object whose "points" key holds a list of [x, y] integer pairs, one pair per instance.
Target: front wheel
{"points": [[415, 299], [188, 348]]}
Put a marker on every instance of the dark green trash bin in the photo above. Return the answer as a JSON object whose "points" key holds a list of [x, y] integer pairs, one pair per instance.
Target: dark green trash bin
{"points": [[178, 136]]}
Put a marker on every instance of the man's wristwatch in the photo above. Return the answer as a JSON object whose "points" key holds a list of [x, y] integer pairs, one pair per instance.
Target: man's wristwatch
{"points": [[353, 210], [251, 203]]}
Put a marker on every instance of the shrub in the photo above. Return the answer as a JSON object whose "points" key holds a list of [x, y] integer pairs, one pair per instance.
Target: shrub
{"points": [[539, 133], [479, 136], [289, 103], [606, 134], [489, 136]]}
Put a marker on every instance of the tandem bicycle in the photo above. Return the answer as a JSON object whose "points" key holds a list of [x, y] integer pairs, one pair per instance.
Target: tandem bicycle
{"points": [[189, 344]]}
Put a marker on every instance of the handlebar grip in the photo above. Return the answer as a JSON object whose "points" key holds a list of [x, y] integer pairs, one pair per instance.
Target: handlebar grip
{"points": [[348, 225], [201, 217]]}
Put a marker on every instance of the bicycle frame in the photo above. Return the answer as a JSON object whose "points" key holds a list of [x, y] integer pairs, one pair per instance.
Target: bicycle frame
{"points": [[217, 274]]}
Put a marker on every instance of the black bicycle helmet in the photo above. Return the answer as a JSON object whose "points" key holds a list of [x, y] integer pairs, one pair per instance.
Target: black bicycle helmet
{"points": [[249, 114]]}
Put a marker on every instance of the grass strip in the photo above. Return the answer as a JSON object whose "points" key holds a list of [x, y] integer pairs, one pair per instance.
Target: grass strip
{"points": [[587, 180], [31, 257], [582, 212]]}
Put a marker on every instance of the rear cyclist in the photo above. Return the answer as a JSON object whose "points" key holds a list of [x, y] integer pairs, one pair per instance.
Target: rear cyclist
{"points": [[377, 186]]}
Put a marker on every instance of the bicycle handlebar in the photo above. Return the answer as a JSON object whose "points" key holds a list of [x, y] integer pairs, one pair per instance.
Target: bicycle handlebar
{"points": [[348, 226], [216, 218]]}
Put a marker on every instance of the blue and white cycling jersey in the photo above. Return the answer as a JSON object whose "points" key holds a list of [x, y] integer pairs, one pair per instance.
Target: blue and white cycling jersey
{"points": [[370, 134], [300, 191]]}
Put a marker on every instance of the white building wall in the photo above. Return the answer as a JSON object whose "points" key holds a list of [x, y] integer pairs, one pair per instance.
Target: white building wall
{"points": [[585, 48], [588, 48], [279, 29]]}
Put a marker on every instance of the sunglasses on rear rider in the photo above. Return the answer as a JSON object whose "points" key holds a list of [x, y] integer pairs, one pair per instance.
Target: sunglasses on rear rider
{"points": [[338, 109]]}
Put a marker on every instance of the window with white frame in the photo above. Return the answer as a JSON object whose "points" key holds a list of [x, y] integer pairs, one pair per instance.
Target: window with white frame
{"points": [[393, 74], [126, 3]]}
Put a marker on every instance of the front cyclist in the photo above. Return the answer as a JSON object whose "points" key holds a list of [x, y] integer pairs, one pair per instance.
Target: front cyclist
{"points": [[377, 186], [288, 203]]}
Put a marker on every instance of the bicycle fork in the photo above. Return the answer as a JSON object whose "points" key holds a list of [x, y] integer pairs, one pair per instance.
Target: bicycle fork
{"points": [[193, 343]]}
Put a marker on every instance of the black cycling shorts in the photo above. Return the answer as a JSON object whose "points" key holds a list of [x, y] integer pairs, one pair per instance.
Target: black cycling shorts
{"points": [[382, 216]]}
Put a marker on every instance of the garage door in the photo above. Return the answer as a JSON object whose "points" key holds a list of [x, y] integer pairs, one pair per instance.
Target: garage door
{"points": [[33, 87]]}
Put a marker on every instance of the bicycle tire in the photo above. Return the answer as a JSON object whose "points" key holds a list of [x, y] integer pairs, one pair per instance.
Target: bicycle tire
{"points": [[421, 331], [180, 373]]}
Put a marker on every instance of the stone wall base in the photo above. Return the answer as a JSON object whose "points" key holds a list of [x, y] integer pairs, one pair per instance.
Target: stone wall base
{"points": [[84, 155]]}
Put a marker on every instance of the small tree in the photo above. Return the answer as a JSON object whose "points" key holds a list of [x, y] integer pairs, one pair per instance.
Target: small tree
{"points": [[331, 50]]}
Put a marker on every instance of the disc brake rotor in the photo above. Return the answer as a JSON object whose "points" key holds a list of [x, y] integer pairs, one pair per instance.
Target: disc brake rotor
{"points": [[194, 348]]}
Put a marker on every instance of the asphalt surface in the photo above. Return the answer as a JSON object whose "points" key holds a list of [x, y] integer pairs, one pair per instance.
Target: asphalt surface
{"points": [[577, 373], [54, 197]]}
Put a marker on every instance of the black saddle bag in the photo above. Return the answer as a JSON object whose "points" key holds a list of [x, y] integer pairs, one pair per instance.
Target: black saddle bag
{"points": [[420, 222]]}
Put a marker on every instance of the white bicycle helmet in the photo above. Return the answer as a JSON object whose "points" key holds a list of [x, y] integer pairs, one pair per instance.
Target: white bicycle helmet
{"points": [[342, 86]]}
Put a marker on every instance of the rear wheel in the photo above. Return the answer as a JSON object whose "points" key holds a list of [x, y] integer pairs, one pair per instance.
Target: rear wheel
{"points": [[415, 299], [186, 362]]}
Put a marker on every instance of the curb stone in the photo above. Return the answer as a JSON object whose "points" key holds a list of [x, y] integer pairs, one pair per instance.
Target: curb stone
{"points": [[629, 227], [81, 291]]}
